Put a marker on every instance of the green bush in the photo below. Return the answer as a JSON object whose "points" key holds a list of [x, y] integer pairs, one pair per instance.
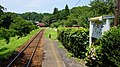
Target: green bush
{"points": [[105, 51], [6, 34], [6, 50], [74, 40], [93, 55], [22, 27], [111, 47]]}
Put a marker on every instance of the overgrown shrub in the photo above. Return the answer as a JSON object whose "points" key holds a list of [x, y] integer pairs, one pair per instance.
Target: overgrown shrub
{"points": [[106, 53], [22, 27], [6, 34], [93, 55], [111, 47], [74, 40], [6, 50]]}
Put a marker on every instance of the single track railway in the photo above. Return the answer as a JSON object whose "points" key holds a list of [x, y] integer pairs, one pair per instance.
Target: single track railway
{"points": [[25, 56]]}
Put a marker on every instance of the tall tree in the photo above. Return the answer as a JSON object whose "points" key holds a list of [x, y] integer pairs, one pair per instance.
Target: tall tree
{"points": [[21, 26], [7, 19], [1, 8], [55, 11], [64, 13], [100, 7], [67, 12], [1, 12]]}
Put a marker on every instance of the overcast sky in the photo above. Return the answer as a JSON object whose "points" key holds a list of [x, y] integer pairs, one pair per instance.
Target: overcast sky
{"points": [[40, 6]]}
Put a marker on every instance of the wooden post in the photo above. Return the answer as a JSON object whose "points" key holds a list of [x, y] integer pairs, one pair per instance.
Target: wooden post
{"points": [[117, 10]]}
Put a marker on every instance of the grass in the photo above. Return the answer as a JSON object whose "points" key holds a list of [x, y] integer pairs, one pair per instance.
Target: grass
{"points": [[60, 44], [52, 32], [7, 50]]}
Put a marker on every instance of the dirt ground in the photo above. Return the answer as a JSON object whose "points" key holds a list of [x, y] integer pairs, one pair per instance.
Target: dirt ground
{"points": [[54, 56]]}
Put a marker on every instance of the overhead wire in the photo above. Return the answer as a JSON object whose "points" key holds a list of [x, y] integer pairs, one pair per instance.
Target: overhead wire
{"points": [[79, 10], [77, 3]]}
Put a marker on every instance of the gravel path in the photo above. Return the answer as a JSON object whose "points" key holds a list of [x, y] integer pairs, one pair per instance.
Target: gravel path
{"points": [[54, 56], [51, 57], [69, 62]]}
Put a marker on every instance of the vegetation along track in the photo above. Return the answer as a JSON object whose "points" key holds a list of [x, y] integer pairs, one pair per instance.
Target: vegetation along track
{"points": [[29, 54]]}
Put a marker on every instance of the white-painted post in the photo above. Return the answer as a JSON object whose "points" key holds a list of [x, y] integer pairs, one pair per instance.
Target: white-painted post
{"points": [[106, 26], [108, 23], [90, 34]]}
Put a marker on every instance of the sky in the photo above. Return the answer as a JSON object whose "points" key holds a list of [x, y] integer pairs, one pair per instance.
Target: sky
{"points": [[40, 6]]}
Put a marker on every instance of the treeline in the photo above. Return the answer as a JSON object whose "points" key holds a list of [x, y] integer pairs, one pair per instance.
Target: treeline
{"points": [[77, 16], [11, 24], [36, 17]]}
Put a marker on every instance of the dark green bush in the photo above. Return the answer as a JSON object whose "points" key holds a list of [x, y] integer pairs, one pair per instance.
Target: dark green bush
{"points": [[111, 47], [22, 27], [106, 53], [6, 34], [74, 40]]}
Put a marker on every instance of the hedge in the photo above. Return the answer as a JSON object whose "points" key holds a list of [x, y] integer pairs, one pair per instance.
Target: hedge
{"points": [[106, 53], [74, 40], [111, 47]]}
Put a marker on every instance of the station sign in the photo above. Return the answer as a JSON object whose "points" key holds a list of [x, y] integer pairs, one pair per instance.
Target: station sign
{"points": [[98, 25]]}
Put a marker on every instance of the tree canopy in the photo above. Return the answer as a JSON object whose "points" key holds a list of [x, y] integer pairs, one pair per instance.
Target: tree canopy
{"points": [[12, 24]]}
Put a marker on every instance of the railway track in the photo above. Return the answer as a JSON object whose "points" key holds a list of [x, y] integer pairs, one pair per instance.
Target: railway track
{"points": [[29, 53]]}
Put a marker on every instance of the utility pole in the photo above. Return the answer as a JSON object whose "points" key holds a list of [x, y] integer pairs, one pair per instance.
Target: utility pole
{"points": [[117, 12]]}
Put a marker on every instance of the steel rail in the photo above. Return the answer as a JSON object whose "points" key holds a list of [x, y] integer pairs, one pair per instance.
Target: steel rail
{"points": [[34, 51], [22, 50]]}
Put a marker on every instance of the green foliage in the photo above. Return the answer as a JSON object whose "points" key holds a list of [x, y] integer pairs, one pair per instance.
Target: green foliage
{"points": [[93, 55], [77, 16], [5, 33], [111, 47], [46, 20], [56, 24], [22, 26], [6, 19], [69, 55], [105, 52], [6, 50], [101, 7], [66, 12], [32, 16], [11, 24], [55, 11], [74, 40], [1, 9], [51, 32]]}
